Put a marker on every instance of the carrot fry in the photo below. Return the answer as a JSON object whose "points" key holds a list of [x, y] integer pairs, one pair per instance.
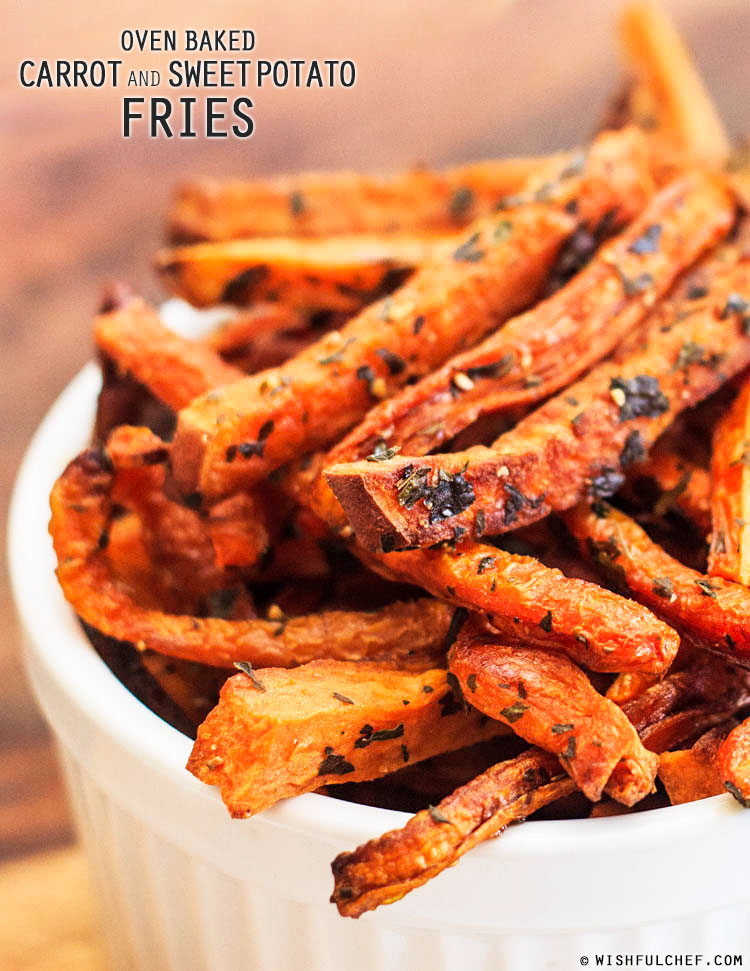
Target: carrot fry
{"points": [[407, 633], [339, 273], [576, 443], [685, 109], [329, 204], [693, 773], [713, 610], [544, 349], [630, 685], [385, 869], [174, 369], [275, 735], [729, 550], [734, 763], [525, 600], [443, 307], [550, 702]]}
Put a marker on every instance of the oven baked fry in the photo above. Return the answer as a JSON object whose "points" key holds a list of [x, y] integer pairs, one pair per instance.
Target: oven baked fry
{"points": [[388, 867], [683, 485], [334, 203], [406, 633], [576, 443], [729, 548], [525, 600], [443, 307], [276, 734], [690, 774], [173, 368], [711, 610], [549, 702], [340, 273]]}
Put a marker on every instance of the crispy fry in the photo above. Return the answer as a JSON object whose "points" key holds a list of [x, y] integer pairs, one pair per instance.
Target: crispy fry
{"points": [[693, 773], [576, 443], [443, 307], [330, 204], [407, 633], [729, 550], [385, 869], [549, 702], [525, 600], [275, 735], [173, 368], [339, 273], [711, 610], [734, 763], [630, 685], [684, 107], [544, 349]]}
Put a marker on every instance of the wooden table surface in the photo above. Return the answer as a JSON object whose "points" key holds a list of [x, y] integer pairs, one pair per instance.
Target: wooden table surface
{"points": [[82, 206]]}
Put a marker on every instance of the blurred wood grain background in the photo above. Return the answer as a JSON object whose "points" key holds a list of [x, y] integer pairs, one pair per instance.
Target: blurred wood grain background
{"points": [[436, 82]]}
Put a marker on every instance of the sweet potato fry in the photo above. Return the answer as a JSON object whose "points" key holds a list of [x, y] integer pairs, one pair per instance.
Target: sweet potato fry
{"points": [[576, 443], [385, 869], [544, 349], [443, 307], [734, 763], [729, 549], [549, 702], [275, 735], [685, 110], [329, 204], [339, 273], [693, 773], [525, 600], [407, 633], [711, 610], [173, 368]]}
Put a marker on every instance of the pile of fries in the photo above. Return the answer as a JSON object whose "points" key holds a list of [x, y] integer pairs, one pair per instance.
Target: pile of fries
{"points": [[381, 489]]}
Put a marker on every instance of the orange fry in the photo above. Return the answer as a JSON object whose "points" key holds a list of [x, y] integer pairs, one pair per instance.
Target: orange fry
{"points": [[729, 551], [576, 443], [173, 368], [334, 203], [734, 763], [407, 633], [276, 734], [231, 439], [385, 869], [693, 773], [549, 702], [711, 610]]}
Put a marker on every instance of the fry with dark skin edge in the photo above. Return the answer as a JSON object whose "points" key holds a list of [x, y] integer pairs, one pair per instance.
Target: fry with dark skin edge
{"points": [[693, 773], [549, 702], [176, 370], [334, 203], [339, 273], [527, 601], [444, 307], [406, 633], [576, 443], [277, 734], [729, 548], [734, 763], [385, 869], [544, 349], [711, 610]]}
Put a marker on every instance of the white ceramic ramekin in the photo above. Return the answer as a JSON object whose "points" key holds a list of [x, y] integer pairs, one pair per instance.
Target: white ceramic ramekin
{"points": [[185, 888]]}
